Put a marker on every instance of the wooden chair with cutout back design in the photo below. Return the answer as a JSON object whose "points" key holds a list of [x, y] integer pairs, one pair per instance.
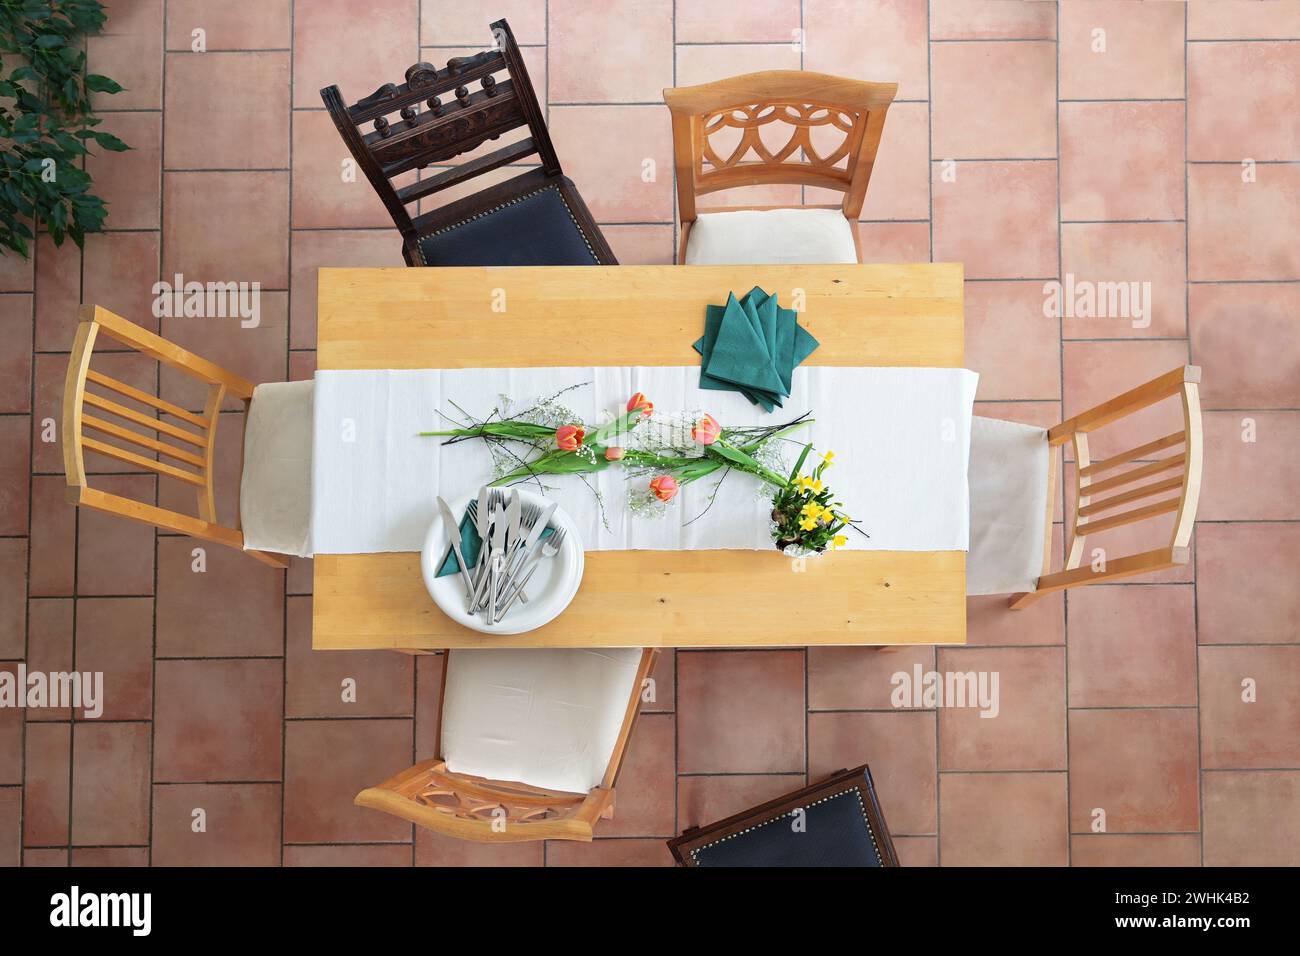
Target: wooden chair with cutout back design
{"points": [[104, 416], [828, 130], [535, 218], [502, 712]]}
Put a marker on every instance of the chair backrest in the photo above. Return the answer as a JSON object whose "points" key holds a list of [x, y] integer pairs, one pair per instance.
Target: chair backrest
{"points": [[842, 825], [105, 416], [822, 131], [412, 127], [495, 811], [1117, 491]]}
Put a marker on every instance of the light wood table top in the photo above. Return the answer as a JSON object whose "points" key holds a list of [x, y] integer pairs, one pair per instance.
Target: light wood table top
{"points": [[908, 315]]}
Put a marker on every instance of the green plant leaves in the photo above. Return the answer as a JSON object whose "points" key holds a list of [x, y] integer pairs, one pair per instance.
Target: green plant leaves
{"points": [[46, 121], [110, 142], [803, 456], [102, 84]]}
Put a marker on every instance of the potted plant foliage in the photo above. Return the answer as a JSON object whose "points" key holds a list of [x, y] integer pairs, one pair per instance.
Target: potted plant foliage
{"points": [[46, 121]]}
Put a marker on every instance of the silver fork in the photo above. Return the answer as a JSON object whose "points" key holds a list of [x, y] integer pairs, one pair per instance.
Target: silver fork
{"points": [[496, 496], [528, 518], [550, 548]]}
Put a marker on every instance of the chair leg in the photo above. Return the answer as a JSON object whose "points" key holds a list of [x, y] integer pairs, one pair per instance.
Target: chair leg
{"points": [[1019, 601], [266, 557]]}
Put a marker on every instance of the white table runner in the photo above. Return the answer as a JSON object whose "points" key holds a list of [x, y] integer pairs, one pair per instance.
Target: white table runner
{"points": [[901, 438]]}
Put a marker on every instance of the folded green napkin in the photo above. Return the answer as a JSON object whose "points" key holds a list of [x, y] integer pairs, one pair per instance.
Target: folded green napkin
{"points": [[752, 346], [740, 354], [470, 543], [713, 322]]}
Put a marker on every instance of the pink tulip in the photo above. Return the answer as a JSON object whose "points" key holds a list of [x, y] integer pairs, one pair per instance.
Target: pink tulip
{"points": [[706, 430], [664, 487], [614, 453], [640, 402], [569, 437]]}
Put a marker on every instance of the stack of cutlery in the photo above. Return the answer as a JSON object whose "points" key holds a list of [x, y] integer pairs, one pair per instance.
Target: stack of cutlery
{"points": [[511, 549]]}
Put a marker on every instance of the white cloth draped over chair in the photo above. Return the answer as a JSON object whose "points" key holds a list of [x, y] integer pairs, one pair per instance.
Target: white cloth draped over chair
{"points": [[275, 488], [1008, 506], [546, 718]]}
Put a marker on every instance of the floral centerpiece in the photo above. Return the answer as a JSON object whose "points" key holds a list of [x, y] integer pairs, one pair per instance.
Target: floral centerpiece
{"points": [[805, 519], [667, 454]]}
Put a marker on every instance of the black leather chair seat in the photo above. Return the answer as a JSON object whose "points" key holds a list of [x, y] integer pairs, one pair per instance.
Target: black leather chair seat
{"points": [[535, 228], [836, 822], [833, 832]]}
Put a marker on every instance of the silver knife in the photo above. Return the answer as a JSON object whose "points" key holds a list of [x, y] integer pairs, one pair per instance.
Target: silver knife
{"points": [[453, 532], [513, 514]]}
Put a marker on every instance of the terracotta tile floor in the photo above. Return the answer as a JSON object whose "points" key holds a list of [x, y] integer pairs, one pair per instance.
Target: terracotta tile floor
{"points": [[1016, 147]]}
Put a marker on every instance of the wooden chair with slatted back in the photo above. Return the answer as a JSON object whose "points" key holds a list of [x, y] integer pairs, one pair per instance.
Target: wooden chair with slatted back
{"points": [[474, 719], [106, 417], [834, 127], [535, 218], [1013, 480]]}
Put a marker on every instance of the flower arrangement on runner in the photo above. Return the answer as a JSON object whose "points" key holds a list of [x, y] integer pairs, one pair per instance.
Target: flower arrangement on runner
{"points": [[666, 453]]}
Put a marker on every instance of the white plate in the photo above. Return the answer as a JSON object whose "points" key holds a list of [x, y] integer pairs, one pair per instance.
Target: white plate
{"points": [[549, 592]]}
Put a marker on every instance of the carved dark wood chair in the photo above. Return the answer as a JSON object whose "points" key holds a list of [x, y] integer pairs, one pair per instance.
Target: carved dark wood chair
{"points": [[536, 218], [833, 823]]}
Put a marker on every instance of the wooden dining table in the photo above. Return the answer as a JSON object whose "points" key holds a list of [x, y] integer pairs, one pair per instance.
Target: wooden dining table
{"points": [[863, 315]]}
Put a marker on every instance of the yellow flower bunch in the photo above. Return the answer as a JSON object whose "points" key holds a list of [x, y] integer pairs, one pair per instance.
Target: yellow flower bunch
{"points": [[804, 513]]}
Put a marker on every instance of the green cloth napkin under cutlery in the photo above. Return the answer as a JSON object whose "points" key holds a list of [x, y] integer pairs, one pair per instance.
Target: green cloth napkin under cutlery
{"points": [[470, 542], [751, 345]]}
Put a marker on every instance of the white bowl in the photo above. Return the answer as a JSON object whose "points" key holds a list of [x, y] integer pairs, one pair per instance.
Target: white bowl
{"points": [[549, 592]]}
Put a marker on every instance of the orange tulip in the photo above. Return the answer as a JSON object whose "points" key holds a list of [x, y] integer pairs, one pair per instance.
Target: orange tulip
{"points": [[664, 487], [707, 430], [614, 453], [641, 403], [569, 437]]}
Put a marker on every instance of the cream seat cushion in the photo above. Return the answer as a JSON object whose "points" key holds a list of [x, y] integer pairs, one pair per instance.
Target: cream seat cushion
{"points": [[275, 490], [548, 718], [1008, 506], [748, 237]]}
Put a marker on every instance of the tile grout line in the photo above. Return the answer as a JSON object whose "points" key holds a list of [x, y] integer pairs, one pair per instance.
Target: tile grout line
{"points": [[1060, 328], [157, 545], [27, 591], [1187, 328], [76, 571], [288, 375]]}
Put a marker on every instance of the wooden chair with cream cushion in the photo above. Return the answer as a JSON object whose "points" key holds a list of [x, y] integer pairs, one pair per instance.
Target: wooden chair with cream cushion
{"points": [[530, 744], [109, 419], [1013, 477], [781, 127]]}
